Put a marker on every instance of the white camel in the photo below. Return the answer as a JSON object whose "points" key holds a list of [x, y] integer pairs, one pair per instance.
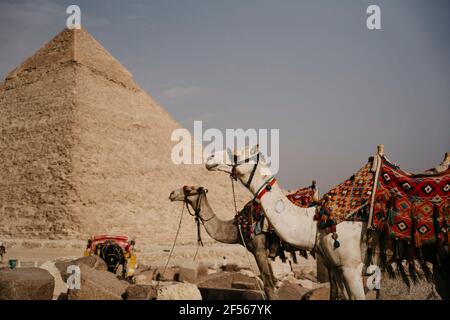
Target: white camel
{"points": [[296, 225]]}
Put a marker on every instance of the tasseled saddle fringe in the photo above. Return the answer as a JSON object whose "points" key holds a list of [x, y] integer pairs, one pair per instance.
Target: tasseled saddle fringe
{"points": [[400, 254]]}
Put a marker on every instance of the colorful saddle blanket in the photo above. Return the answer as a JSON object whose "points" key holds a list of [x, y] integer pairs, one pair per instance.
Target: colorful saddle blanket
{"points": [[251, 217], [412, 207], [350, 200], [408, 207]]}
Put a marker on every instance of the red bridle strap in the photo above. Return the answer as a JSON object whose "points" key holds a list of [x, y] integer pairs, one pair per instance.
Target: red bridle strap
{"points": [[267, 187]]}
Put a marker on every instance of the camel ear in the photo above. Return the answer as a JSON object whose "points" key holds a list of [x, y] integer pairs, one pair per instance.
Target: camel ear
{"points": [[255, 149]]}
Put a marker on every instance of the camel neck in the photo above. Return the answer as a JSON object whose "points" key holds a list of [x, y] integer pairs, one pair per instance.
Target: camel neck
{"points": [[293, 224], [224, 231]]}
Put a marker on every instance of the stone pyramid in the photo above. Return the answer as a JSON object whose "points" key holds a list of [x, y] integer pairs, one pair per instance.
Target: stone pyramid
{"points": [[84, 150]]}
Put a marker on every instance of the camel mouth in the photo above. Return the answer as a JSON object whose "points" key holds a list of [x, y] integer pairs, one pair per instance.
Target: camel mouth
{"points": [[211, 166], [173, 196]]}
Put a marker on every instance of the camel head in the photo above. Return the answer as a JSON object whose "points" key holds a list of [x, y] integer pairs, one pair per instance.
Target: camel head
{"points": [[190, 194], [246, 164], [220, 161]]}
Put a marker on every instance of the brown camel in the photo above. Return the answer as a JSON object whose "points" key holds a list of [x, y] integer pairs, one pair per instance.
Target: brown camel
{"points": [[227, 231]]}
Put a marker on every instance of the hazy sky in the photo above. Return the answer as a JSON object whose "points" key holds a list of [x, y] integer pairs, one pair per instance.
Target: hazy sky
{"points": [[310, 68]]}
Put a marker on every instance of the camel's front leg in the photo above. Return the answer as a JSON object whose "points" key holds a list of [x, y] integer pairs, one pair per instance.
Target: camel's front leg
{"points": [[344, 259], [353, 282], [259, 244]]}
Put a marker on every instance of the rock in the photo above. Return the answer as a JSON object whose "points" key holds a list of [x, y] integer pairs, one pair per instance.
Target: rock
{"points": [[171, 274], [98, 285], [140, 292], [61, 288], [231, 294], [250, 285], [231, 267], [280, 269], [145, 277], [179, 291], [252, 276], [211, 271], [291, 291], [306, 276], [94, 262], [247, 273], [322, 293], [308, 284], [228, 280], [203, 270], [26, 284], [192, 271]]}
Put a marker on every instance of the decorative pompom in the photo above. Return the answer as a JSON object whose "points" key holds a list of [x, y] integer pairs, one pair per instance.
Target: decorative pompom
{"points": [[336, 244], [322, 225]]}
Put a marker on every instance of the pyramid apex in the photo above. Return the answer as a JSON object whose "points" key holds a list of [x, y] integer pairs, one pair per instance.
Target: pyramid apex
{"points": [[74, 46]]}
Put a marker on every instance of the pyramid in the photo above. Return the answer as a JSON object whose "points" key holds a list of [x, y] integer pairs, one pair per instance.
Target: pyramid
{"points": [[84, 150]]}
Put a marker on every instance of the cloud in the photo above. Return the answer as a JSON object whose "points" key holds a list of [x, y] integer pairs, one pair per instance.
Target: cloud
{"points": [[177, 93]]}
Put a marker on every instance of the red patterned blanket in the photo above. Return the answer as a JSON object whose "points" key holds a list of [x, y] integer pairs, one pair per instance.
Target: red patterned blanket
{"points": [[412, 207], [408, 207]]}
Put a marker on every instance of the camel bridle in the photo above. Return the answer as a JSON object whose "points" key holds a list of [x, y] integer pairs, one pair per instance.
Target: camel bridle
{"points": [[237, 163], [201, 193]]}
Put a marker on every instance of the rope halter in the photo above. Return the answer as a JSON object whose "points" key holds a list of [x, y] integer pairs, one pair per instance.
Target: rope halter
{"points": [[201, 192]]}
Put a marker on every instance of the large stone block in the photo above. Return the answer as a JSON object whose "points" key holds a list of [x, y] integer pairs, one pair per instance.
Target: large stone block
{"points": [[145, 277], [322, 293], [61, 288], [291, 291], [231, 294], [98, 285], [280, 269], [26, 284], [140, 292], [170, 274], [179, 291], [192, 271]]}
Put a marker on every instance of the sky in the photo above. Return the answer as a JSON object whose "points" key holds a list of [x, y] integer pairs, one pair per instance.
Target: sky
{"points": [[309, 68]]}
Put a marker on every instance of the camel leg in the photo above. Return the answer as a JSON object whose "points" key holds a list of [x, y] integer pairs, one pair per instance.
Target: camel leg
{"points": [[259, 243], [337, 281], [337, 290], [334, 290], [353, 282]]}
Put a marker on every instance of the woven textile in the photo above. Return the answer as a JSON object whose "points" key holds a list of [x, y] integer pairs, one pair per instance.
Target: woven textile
{"points": [[350, 199], [412, 207]]}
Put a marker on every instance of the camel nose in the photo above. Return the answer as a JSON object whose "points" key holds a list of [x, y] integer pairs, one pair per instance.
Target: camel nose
{"points": [[172, 196]]}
